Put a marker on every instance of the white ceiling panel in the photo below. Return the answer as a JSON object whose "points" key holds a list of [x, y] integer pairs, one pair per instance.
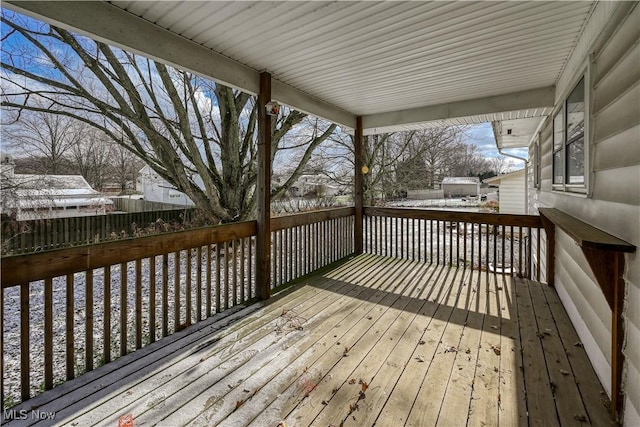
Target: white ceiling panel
{"points": [[373, 57], [360, 58]]}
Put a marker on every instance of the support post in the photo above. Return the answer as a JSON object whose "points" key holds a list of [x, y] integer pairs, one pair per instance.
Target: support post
{"points": [[263, 188], [358, 184], [550, 230]]}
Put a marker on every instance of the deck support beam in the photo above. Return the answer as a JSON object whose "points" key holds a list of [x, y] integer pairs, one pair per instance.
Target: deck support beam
{"points": [[358, 184], [263, 188]]}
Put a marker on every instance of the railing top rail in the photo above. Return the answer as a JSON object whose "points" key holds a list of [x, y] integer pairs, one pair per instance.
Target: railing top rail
{"points": [[532, 221], [282, 222], [18, 269]]}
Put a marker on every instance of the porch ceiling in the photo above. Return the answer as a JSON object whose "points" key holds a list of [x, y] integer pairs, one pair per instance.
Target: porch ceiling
{"points": [[397, 64]]}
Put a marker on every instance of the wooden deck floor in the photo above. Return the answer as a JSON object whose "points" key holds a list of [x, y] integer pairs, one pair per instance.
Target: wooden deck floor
{"points": [[374, 341]]}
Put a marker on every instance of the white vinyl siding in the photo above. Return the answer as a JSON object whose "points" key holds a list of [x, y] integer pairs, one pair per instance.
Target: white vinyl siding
{"points": [[512, 195], [613, 205]]}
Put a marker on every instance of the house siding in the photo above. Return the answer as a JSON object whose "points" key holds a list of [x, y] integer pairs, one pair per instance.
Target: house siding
{"points": [[613, 205], [512, 195]]}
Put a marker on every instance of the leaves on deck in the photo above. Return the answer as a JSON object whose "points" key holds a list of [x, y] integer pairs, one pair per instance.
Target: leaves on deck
{"points": [[496, 349], [289, 321], [450, 349]]}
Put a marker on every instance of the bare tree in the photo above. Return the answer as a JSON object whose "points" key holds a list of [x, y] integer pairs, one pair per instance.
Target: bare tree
{"points": [[92, 158], [123, 167], [182, 125], [43, 137]]}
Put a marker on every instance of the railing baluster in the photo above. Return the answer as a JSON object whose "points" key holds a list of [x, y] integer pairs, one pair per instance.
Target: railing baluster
{"points": [[70, 362], [165, 295], [208, 281], [250, 261], [187, 293], [529, 258], [218, 280], [88, 329], [242, 267], [138, 267], [152, 299], [521, 273], [106, 345], [538, 255], [48, 333], [199, 284], [227, 292], [234, 253], [176, 291], [123, 308], [25, 370]]}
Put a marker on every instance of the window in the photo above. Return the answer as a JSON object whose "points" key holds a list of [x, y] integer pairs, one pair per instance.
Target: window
{"points": [[569, 141], [536, 163]]}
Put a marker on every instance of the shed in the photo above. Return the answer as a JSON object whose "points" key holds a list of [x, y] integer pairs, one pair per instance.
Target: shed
{"points": [[511, 191], [458, 186]]}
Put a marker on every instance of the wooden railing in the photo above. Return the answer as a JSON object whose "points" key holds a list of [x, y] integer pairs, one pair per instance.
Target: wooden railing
{"points": [[301, 244], [104, 300], [492, 242]]}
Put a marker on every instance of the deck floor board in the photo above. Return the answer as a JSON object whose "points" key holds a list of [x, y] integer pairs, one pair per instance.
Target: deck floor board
{"points": [[382, 342]]}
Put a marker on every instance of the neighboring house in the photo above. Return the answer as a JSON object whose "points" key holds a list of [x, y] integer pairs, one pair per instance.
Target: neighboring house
{"points": [[511, 192], [461, 186], [157, 189], [28, 196], [584, 160], [316, 185]]}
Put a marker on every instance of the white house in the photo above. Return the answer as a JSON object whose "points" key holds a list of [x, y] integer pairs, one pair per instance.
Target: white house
{"points": [[157, 189], [312, 184], [461, 186], [30, 196], [511, 192]]}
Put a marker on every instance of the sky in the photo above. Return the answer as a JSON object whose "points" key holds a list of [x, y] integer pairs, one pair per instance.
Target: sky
{"points": [[482, 136]]}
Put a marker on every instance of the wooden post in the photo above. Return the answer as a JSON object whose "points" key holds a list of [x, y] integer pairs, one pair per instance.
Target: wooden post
{"points": [[263, 188], [550, 230], [359, 184]]}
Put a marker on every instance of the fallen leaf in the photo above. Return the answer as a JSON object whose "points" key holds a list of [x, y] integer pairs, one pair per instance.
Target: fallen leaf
{"points": [[496, 349], [324, 402], [563, 372], [420, 358], [450, 349], [421, 342], [468, 350], [578, 344], [352, 381], [239, 403], [369, 318], [494, 327], [581, 418], [365, 386]]}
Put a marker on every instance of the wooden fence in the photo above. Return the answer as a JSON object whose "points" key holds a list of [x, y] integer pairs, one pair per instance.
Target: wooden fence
{"points": [[126, 204], [55, 233]]}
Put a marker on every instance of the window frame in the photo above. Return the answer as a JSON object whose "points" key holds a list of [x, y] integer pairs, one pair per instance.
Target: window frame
{"points": [[537, 167], [565, 186]]}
